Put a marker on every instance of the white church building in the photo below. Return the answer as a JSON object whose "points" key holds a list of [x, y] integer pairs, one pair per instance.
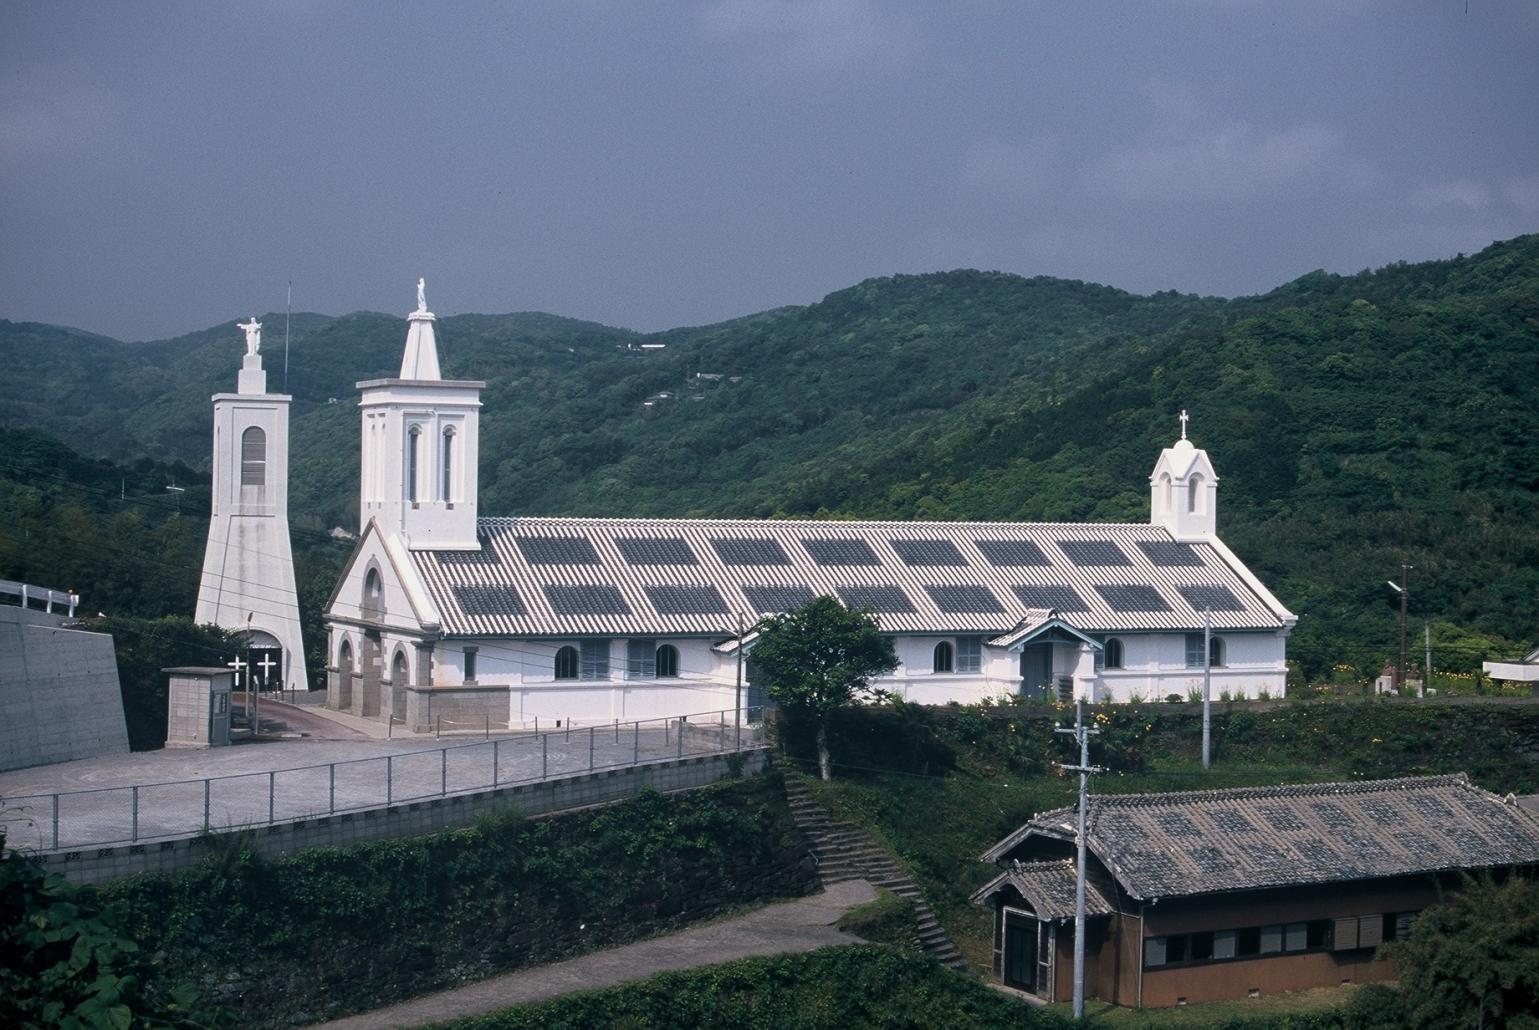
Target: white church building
{"points": [[444, 614]]}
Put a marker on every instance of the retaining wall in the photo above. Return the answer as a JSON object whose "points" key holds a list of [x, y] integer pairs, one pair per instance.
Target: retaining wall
{"points": [[408, 818], [59, 696]]}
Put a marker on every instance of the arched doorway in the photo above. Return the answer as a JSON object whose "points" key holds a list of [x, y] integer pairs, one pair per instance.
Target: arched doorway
{"points": [[343, 697], [366, 703], [400, 679]]}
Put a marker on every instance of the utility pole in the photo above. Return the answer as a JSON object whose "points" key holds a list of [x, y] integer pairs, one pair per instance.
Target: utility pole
{"points": [[1404, 602], [1426, 665], [1207, 686], [1082, 734], [737, 715]]}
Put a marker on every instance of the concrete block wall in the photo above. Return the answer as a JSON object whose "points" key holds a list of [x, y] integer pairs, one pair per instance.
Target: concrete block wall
{"points": [[457, 707], [59, 695], [407, 819]]}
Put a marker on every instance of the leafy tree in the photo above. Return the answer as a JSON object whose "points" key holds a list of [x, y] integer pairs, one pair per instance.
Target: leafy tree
{"points": [[819, 658], [1472, 960], [65, 960]]}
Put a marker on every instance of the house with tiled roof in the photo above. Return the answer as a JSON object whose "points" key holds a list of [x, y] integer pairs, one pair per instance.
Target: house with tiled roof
{"points": [[1207, 895], [444, 613]]}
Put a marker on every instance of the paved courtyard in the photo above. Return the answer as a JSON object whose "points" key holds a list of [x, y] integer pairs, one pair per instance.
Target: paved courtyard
{"points": [[155, 795]]}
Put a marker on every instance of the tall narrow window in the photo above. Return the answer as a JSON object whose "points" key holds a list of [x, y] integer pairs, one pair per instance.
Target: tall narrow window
{"points": [[969, 654], [566, 663], [413, 455], [447, 493], [470, 664], [1112, 653], [667, 661], [943, 660], [595, 660], [640, 659], [253, 457], [1194, 495]]}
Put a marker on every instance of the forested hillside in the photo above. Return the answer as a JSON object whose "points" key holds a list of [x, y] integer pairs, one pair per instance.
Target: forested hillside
{"points": [[1355, 421]]}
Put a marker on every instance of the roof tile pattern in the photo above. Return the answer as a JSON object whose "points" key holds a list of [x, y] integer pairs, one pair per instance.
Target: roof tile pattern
{"points": [[541, 558], [1168, 845], [1049, 888]]}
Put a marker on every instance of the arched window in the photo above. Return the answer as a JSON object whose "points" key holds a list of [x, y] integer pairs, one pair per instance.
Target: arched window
{"points": [[253, 457], [399, 675], [566, 663], [1194, 495], [1166, 491], [373, 595], [943, 656], [667, 661], [447, 476], [413, 457], [345, 656], [1113, 653]]}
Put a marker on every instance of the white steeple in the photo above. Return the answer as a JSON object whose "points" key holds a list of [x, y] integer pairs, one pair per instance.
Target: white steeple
{"points": [[420, 447], [421, 358], [1183, 490], [247, 584]]}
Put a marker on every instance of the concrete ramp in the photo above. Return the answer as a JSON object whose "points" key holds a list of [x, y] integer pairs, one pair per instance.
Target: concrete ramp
{"points": [[59, 695]]}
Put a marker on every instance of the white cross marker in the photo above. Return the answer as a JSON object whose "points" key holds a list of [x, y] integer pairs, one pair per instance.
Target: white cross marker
{"points": [[237, 665], [1184, 420], [267, 665]]}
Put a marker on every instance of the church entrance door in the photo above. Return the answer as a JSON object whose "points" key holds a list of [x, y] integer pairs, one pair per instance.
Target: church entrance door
{"points": [[1037, 672]]}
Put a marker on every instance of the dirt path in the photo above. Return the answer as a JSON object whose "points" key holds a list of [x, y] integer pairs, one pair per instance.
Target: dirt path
{"points": [[805, 924]]}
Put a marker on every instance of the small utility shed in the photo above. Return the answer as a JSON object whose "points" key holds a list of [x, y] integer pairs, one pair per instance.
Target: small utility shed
{"points": [[1206, 895]]}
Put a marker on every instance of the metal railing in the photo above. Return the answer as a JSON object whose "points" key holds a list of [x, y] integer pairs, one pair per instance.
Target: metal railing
{"points": [[27, 593], [146, 812]]}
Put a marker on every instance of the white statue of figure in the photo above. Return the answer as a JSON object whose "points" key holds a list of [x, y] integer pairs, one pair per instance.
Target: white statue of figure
{"points": [[421, 294], [253, 334]]}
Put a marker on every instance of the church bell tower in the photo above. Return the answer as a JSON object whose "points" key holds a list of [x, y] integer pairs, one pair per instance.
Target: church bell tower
{"points": [[420, 447], [1183, 491], [247, 584]]}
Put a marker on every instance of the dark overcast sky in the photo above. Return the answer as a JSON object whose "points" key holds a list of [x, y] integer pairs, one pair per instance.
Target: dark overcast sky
{"points": [[164, 167]]}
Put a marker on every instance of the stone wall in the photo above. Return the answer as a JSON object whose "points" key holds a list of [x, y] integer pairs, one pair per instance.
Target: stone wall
{"points": [[98, 865], [59, 695]]}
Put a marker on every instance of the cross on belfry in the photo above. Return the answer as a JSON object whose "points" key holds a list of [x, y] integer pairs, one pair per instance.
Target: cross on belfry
{"points": [[267, 665], [1184, 419]]}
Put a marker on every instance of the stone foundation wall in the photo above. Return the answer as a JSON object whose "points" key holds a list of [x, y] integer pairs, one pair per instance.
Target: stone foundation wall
{"points": [[455, 708], [408, 819]]}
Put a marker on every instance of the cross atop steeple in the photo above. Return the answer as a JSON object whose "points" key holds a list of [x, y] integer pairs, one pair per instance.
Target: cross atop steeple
{"points": [[1184, 419]]}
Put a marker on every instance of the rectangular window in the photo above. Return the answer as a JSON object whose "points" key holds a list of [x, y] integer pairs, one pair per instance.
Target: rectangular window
{"points": [[1201, 947], [1175, 948], [595, 660], [1248, 941], [470, 664], [1397, 927], [1319, 934], [969, 654], [1194, 650], [1295, 936], [640, 659], [1370, 932], [1344, 934], [1224, 942], [1271, 940], [1154, 951]]}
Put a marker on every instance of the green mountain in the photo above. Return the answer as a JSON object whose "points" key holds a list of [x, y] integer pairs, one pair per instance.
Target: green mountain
{"points": [[1356, 421]]}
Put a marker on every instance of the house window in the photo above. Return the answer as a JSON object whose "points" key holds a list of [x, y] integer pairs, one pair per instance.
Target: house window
{"points": [[1208, 946], [447, 485], [470, 664], [595, 660], [667, 662], [640, 659], [1194, 651], [943, 658], [253, 457], [969, 654], [413, 454], [566, 663]]}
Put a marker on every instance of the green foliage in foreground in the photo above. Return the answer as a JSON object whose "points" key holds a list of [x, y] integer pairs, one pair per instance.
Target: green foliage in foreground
{"points": [[66, 961], [336, 930], [887, 919], [846, 988]]}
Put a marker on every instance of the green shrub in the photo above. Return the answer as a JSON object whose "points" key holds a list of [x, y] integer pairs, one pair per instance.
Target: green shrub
{"points": [[887, 919]]}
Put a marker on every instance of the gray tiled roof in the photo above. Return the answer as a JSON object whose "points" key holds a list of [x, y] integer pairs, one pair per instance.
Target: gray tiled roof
{"points": [[1049, 888], [1166, 845], [505, 562]]}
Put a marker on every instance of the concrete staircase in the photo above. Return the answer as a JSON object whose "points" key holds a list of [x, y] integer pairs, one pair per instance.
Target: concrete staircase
{"points": [[845, 852]]}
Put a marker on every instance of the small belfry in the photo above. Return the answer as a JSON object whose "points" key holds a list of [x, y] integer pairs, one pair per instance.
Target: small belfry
{"points": [[419, 446], [1183, 490], [247, 584]]}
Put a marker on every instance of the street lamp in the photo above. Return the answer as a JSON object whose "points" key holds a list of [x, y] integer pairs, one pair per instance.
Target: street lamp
{"points": [[1403, 589]]}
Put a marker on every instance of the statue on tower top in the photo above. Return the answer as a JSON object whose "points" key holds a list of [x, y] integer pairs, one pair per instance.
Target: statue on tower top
{"points": [[421, 294], [253, 330]]}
